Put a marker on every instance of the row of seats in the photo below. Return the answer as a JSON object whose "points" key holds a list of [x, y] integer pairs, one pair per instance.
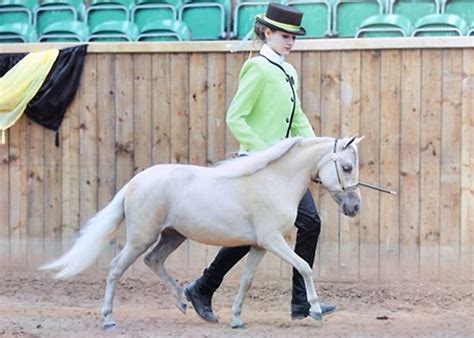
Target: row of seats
{"points": [[157, 20], [207, 19], [344, 18]]}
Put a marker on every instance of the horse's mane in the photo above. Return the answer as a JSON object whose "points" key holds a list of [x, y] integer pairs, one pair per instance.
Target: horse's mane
{"points": [[248, 165]]}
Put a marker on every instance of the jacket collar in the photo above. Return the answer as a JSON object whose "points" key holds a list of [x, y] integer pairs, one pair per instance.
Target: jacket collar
{"points": [[271, 55]]}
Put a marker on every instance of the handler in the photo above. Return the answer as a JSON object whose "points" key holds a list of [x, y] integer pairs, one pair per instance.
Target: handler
{"points": [[265, 110]]}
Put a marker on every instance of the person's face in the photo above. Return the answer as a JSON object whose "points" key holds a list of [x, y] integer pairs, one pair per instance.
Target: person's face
{"points": [[281, 42]]}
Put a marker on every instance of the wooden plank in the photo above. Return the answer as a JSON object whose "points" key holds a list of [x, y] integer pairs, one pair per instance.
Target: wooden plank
{"points": [[105, 129], [4, 201], [216, 127], [430, 137], [350, 113], [409, 164], [450, 164], [330, 126], [35, 183], [142, 88], [310, 94], [70, 223], [88, 142], [124, 109], [142, 121], [234, 62], [389, 164], [179, 128], [197, 99], [18, 193], [369, 163], [52, 196], [467, 169], [179, 108], [216, 108], [106, 140], [161, 108]]}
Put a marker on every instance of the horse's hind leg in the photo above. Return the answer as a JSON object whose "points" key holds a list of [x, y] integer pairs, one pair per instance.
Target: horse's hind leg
{"points": [[118, 265], [170, 240], [254, 258]]}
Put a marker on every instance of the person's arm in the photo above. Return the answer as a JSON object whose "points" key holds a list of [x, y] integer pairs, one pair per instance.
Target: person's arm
{"points": [[251, 83]]}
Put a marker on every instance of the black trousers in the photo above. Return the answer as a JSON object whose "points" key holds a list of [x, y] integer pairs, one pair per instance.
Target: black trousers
{"points": [[308, 224]]}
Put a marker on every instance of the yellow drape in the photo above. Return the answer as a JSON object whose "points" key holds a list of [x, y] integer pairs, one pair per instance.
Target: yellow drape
{"points": [[21, 83]]}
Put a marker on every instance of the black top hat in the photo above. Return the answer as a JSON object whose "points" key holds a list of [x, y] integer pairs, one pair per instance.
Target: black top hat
{"points": [[283, 18]]}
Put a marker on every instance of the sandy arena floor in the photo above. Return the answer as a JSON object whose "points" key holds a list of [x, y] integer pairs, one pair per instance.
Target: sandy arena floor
{"points": [[34, 305]]}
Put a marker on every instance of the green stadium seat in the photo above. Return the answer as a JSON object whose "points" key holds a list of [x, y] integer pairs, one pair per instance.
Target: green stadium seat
{"points": [[348, 15], [390, 25], [414, 9], [461, 8], [471, 30], [146, 11], [17, 11], [440, 25], [114, 31], [316, 18], [52, 11], [65, 31], [244, 15], [78, 5], [17, 32], [100, 11], [164, 30], [207, 20]]}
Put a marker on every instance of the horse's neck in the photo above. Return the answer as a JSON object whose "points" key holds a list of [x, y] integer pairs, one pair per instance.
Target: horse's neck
{"points": [[305, 156], [299, 163]]}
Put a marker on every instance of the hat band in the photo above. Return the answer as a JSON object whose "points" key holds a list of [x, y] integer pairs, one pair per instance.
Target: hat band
{"points": [[284, 26]]}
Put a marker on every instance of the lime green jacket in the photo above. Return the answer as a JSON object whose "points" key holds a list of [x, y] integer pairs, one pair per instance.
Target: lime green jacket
{"points": [[260, 111]]}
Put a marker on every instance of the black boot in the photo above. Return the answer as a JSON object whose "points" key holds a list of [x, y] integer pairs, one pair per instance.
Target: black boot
{"points": [[200, 291], [201, 298]]}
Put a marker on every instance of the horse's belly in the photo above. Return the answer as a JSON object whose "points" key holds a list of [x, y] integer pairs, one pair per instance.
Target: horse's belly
{"points": [[215, 226], [219, 236]]}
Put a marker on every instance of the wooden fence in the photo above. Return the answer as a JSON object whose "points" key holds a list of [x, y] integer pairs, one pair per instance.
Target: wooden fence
{"points": [[143, 104]]}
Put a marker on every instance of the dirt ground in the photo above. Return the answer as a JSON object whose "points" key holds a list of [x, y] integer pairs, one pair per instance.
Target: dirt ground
{"points": [[34, 305]]}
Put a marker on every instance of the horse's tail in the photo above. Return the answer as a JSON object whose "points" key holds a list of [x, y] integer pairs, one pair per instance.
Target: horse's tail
{"points": [[94, 237]]}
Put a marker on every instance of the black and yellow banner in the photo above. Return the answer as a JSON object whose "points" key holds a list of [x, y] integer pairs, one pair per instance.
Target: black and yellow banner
{"points": [[39, 84]]}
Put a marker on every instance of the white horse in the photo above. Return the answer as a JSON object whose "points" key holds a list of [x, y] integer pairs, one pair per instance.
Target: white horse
{"points": [[249, 200]]}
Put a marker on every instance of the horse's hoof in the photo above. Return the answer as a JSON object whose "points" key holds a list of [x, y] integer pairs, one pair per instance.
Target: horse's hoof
{"points": [[182, 307], [316, 315], [238, 326], [109, 326]]}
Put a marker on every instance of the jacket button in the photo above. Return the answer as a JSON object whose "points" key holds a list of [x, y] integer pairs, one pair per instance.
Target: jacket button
{"points": [[287, 120], [292, 99]]}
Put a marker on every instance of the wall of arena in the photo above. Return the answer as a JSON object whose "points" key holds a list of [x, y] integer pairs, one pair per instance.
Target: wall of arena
{"points": [[141, 104]]}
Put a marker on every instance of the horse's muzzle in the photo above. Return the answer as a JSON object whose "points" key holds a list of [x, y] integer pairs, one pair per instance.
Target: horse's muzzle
{"points": [[349, 201]]}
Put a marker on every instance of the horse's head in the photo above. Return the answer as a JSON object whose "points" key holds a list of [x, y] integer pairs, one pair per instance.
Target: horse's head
{"points": [[339, 173]]}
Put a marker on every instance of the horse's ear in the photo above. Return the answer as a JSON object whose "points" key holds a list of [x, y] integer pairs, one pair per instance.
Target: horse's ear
{"points": [[348, 143], [358, 139], [354, 139]]}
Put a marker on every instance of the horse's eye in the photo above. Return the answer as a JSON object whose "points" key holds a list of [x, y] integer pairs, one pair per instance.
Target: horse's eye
{"points": [[347, 168]]}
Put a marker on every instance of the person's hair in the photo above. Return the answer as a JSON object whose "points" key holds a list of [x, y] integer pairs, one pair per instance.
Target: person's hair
{"points": [[259, 29]]}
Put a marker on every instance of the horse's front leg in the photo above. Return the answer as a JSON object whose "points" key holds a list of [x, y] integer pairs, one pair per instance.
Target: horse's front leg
{"points": [[254, 258], [277, 245]]}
